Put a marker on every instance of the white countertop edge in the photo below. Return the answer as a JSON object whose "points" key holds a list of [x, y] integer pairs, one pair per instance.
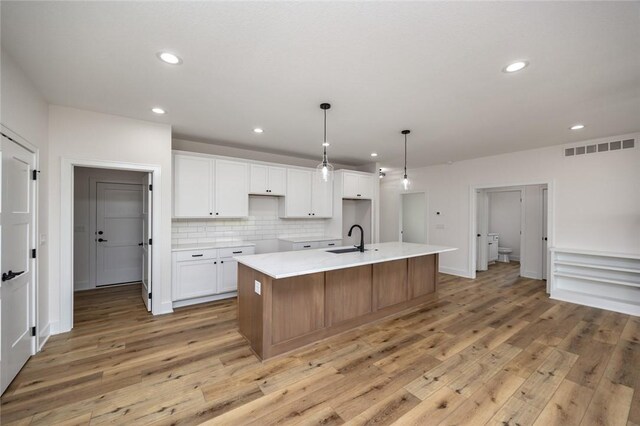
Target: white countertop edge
{"points": [[209, 246], [350, 265]]}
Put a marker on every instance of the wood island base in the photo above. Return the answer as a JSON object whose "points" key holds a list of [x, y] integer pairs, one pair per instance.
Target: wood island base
{"points": [[285, 314]]}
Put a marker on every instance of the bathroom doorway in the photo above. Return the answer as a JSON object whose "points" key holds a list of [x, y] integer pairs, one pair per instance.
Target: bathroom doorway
{"points": [[510, 225], [413, 218]]}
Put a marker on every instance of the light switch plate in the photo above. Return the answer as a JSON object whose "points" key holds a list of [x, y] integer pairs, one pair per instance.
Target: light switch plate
{"points": [[258, 287]]}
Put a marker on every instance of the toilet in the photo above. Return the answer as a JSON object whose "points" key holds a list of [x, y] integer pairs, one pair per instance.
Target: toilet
{"points": [[503, 254]]}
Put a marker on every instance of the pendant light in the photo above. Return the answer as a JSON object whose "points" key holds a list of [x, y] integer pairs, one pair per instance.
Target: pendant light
{"points": [[325, 169], [405, 181]]}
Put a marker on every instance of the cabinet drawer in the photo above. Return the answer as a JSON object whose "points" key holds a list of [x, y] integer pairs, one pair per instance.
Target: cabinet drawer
{"points": [[305, 246], [196, 254], [332, 243], [235, 251]]}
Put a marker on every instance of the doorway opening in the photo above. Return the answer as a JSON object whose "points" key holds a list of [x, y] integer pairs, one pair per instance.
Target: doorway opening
{"points": [[111, 236], [413, 217], [511, 225]]}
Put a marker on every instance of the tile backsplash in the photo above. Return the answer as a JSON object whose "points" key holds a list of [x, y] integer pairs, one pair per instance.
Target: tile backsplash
{"points": [[262, 224]]}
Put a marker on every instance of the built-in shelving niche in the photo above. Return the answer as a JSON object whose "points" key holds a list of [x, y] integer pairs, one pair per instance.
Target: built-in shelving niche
{"points": [[605, 280]]}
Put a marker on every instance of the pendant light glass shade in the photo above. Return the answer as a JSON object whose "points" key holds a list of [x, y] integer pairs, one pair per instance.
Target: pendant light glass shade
{"points": [[406, 183], [324, 170]]}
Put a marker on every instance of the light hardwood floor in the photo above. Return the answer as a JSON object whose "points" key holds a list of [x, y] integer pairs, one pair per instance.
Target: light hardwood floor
{"points": [[492, 351]]}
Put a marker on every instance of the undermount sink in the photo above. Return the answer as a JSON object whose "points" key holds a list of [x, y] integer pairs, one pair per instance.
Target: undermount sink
{"points": [[345, 250]]}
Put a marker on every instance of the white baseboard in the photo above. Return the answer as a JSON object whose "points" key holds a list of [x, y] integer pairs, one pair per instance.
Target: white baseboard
{"points": [[54, 328], [181, 303], [454, 271], [43, 336], [82, 285], [164, 308], [532, 274], [595, 302]]}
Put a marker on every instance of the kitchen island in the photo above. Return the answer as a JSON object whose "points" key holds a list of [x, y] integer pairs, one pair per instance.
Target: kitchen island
{"points": [[291, 299]]}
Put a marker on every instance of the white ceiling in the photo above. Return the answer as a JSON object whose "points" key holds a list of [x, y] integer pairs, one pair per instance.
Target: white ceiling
{"points": [[434, 68]]}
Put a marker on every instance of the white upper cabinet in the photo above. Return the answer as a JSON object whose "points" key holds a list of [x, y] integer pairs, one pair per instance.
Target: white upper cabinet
{"points": [[267, 180], [206, 187], [306, 196], [297, 202], [193, 190], [213, 187], [277, 181], [321, 198], [357, 186], [231, 189]]}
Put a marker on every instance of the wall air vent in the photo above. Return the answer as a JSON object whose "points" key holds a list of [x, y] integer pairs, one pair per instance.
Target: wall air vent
{"points": [[600, 147]]}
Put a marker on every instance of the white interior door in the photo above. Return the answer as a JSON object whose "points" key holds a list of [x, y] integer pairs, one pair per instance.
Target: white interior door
{"points": [[147, 202], [482, 229], [544, 234], [414, 216], [119, 228], [17, 289]]}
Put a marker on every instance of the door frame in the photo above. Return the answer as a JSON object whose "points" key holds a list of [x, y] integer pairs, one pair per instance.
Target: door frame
{"points": [[40, 337], [66, 229], [426, 215], [93, 197], [473, 211]]}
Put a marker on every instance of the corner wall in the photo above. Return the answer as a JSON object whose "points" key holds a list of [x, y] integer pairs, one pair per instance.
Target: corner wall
{"points": [[594, 198]]}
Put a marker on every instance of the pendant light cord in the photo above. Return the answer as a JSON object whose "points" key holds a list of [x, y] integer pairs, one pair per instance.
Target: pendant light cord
{"points": [[405, 155], [324, 145]]}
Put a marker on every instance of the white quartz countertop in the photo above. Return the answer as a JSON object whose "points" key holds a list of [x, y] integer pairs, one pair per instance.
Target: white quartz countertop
{"points": [[293, 263], [303, 239], [204, 246]]}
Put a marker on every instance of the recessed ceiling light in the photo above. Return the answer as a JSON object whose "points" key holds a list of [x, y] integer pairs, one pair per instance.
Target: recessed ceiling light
{"points": [[258, 130], [577, 127], [325, 144], [374, 154], [516, 66], [159, 111], [169, 58]]}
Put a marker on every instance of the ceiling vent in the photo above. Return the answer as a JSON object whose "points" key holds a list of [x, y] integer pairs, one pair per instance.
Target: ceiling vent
{"points": [[599, 147]]}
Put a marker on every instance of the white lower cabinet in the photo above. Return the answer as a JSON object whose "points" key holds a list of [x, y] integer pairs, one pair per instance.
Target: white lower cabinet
{"points": [[195, 278], [205, 275], [228, 275]]}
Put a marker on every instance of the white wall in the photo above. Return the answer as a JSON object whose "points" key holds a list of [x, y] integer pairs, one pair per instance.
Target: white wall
{"points": [[594, 198], [79, 134], [504, 219], [82, 200], [414, 218], [25, 112]]}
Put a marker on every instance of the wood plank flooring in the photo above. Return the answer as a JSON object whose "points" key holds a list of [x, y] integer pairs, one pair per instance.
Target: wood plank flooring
{"points": [[495, 351]]}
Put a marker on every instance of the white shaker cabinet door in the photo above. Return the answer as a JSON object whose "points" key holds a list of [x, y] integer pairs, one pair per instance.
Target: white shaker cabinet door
{"points": [[231, 189], [228, 280], [277, 181], [259, 179], [193, 191], [322, 199], [365, 187], [349, 185], [195, 278], [298, 198]]}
